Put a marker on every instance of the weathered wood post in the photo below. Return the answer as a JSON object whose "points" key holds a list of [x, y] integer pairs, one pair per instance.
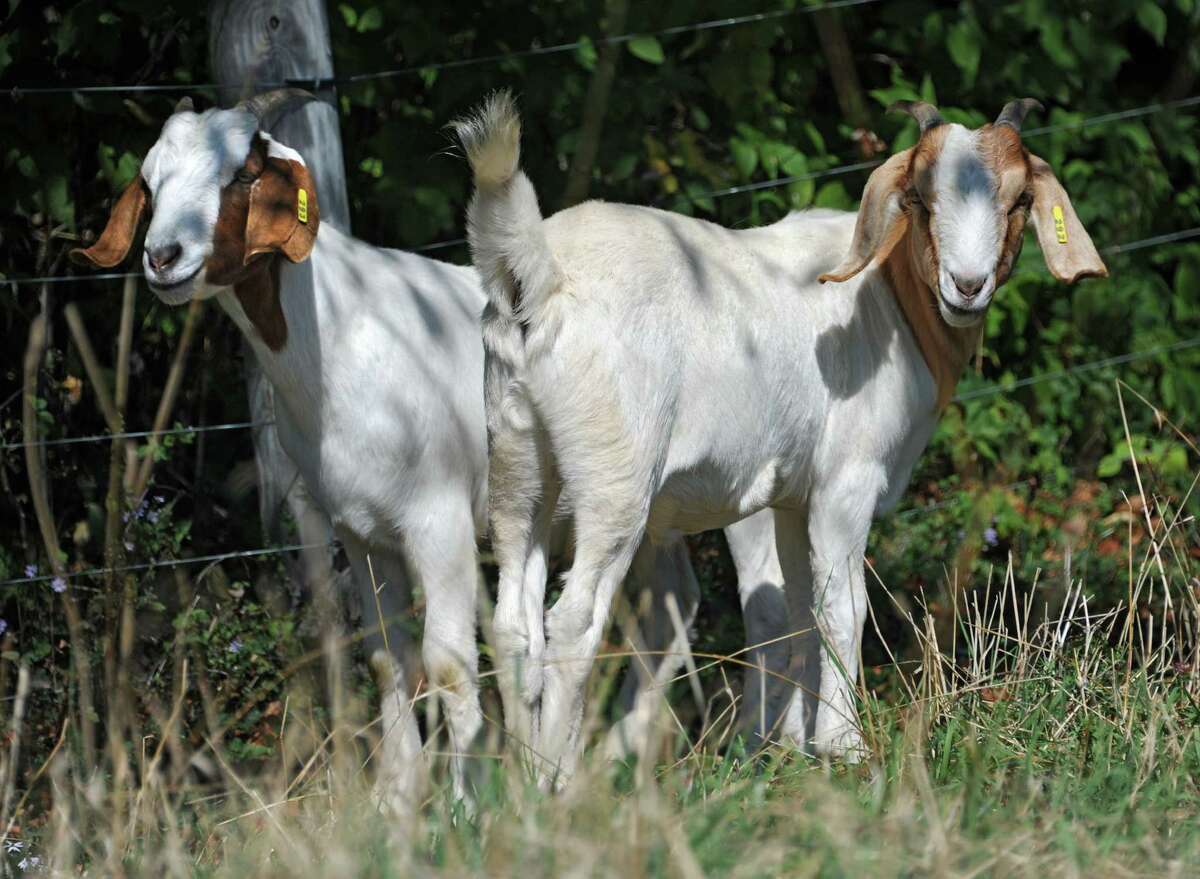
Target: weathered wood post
{"points": [[252, 42], [258, 41]]}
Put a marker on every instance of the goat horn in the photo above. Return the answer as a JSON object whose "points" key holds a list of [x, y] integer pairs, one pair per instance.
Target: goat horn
{"points": [[1014, 112], [270, 107], [185, 105], [926, 114]]}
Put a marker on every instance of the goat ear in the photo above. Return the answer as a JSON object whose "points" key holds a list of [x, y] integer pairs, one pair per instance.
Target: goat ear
{"points": [[882, 220], [283, 215], [1014, 237], [114, 242], [1066, 245]]}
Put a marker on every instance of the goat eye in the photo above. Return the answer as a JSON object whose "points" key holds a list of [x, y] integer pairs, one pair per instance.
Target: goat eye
{"points": [[244, 176]]}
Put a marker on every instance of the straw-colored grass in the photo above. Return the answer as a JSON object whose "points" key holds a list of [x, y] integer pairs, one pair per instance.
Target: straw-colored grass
{"points": [[1064, 745]]}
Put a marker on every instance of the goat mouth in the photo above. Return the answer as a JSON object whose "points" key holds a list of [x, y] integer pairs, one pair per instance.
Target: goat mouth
{"points": [[170, 291], [959, 311], [957, 316]]}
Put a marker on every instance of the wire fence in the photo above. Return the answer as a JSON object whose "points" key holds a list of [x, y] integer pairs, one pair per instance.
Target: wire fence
{"points": [[758, 186], [215, 558], [1003, 388], [319, 83], [848, 168]]}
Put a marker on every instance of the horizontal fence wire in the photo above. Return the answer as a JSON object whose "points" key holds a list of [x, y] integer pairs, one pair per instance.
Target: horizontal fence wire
{"points": [[138, 434], [1131, 113], [1060, 374], [1130, 357], [169, 563], [318, 83]]}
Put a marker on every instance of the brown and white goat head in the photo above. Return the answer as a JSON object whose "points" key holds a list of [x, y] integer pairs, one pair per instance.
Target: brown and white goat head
{"points": [[961, 199], [222, 196]]}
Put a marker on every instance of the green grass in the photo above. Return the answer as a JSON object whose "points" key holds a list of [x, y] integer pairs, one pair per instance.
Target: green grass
{"points": [[1032, 755]]}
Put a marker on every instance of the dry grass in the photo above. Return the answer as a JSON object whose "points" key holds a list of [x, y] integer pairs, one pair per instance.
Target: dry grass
{"points": [[1055, 746]]}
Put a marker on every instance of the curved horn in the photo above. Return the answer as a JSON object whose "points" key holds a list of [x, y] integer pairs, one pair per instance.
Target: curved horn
{"points": [[1014, 112], [185, 105], [270, 107], [926, 114]]}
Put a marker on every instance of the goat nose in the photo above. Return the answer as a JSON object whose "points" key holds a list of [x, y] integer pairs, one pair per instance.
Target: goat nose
{"points": [[162, 257], [969, 287]]}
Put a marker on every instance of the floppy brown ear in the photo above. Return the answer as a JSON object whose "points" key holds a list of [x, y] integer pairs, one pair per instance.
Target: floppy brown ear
{"points": [[283, 215], [1066, 245], [882, 220], [114, 242]]}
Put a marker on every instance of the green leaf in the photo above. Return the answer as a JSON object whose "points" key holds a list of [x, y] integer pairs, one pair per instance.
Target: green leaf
{"points": [[965, 45], [348, 14], [745, 157], [586, 53], [647, 48], [371, 20], [1153, 20]]}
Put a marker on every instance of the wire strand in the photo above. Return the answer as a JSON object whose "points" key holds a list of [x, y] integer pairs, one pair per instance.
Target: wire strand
{"points": [[137, 434], [168, 563], [1058, 375], [319, 83]]}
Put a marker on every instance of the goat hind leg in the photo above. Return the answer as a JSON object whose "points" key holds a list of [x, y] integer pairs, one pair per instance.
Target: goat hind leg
{"points": [[574, 627], [659, 578]]}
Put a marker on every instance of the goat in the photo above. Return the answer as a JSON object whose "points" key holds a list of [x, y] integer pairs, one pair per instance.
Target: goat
{"points": [[376, 360], [370, 352], [669, 375]]}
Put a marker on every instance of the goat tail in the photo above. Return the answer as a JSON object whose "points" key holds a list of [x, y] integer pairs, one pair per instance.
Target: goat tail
{"points": [[504, 224]]}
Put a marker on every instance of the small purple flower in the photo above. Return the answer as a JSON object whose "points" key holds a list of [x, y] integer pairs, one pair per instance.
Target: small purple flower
{"points": [[128, 546], [990, 537], [31, 570], [159, 499], [3, 626], [59, 585], [152, 516], [235, 646]]}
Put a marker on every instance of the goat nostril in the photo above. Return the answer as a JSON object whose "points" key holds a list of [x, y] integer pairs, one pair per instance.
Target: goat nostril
{"points": [[968, 287], [162, 257]]}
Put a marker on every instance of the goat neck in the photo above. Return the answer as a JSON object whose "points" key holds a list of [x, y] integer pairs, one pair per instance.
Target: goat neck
{"points": [[258, 293], [946, 349]]}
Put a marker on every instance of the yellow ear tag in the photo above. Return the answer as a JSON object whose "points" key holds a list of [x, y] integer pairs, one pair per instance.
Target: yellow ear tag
{"points": [[302, 207], [1060, 224]]}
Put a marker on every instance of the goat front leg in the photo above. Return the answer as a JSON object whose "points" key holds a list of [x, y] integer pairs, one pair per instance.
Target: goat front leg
{"points": [[401, 772], [766, 691], [839, 522], [665, 595], [800, 696], [441, 553]]}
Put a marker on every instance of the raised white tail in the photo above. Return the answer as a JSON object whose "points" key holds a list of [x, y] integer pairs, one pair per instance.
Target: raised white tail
{"points": [[504, 224]]}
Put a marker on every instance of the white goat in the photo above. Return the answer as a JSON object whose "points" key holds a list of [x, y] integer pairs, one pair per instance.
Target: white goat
{"points": [[377, 365], [371, 352], [667, 375]]}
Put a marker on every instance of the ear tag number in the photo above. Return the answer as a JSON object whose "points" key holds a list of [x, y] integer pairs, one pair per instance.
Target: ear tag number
{"points": [[302, 208], [1060, 224]]}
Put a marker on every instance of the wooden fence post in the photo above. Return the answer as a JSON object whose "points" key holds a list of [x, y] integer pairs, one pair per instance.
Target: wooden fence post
{"points": [[256, 41]]}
